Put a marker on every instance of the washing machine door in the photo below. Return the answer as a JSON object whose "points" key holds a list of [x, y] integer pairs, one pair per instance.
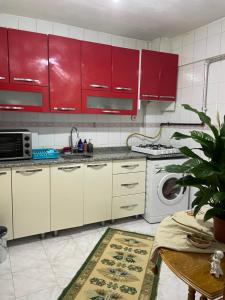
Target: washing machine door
{"points": [[168, 191]]}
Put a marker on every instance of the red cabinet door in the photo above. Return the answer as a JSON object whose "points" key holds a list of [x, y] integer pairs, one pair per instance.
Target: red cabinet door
{"points": [[65, 74], [150, 75], [125, 63], [96, 66], [4, 71], [28, 57], [168, 78]]}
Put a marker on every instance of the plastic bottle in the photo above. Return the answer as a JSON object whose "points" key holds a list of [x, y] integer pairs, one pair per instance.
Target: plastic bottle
{"points": [[85, 145], [90, 147], [80, 146]]}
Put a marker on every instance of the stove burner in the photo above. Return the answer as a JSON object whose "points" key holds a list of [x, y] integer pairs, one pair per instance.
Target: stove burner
{"points": [[156, 149]]}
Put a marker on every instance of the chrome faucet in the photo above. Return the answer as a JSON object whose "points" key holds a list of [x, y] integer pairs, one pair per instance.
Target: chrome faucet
{"points": [[73, 148]]}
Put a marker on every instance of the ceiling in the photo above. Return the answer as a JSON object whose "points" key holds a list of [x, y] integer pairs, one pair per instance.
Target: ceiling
{"points": [[141, 19]]}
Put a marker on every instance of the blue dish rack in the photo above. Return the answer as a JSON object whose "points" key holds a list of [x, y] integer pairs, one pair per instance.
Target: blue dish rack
{"points": [[45, 153]]}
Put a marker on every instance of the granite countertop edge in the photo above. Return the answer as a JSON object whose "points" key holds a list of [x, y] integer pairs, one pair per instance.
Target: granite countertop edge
{"points": [[104, 154]]}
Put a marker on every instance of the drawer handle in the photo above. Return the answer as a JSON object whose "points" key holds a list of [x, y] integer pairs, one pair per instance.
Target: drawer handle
{"points": [[129, 184], [169, 97], [99, 86], [2, 77], [26, 79], [65, 108], [29, 171], [98, 165], [130, 166], [120, 88], [149, 96], [3, 173], [12, 107], [111, 111], [129, 206], [69, 168]]}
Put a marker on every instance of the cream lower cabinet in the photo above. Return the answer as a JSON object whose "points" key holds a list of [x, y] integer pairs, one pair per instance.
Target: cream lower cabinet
{"points": [[31, 200], [6, 201], [67, 207], [97, 192]]}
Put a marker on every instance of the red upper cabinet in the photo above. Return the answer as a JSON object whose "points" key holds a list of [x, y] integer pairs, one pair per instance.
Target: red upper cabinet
{"points": [[28, 57], [65, 74], [168, 78], [125, 63], [4, 71], [96, 66], [158, 76], [150, 75]]}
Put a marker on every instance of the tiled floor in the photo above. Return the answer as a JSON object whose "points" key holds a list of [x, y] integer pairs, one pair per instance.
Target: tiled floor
{"points": [[39, 269]]}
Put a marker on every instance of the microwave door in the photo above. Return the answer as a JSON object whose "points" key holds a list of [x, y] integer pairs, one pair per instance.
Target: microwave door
{"points": [[11, 146]]}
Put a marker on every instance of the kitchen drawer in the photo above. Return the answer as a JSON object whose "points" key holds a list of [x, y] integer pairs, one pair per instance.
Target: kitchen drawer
{"points": [[130, 183], [127, 166], [129, 205]]}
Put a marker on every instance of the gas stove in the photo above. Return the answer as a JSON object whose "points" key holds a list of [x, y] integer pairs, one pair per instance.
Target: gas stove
{"points": [[158, 151]]}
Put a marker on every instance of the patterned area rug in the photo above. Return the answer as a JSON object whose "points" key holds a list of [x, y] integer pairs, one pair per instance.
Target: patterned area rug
{"points": [[117, 269]]}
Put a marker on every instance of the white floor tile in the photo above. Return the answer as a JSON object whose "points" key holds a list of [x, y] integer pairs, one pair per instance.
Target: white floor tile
{"points": [[47, 294], [6, 287], [33, 280]]}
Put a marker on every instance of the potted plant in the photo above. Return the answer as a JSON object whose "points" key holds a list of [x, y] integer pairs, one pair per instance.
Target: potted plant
{"points": [[205, 171]]}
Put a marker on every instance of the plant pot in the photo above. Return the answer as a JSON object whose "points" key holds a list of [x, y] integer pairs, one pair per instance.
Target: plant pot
{"points": [[219, 229]]}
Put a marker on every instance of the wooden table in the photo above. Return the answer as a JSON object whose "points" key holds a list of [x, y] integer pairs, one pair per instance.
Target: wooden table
{"points": [[193, 269]]}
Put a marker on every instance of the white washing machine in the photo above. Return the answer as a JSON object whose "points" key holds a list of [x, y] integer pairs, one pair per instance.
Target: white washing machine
{"points": [[163, 196]]}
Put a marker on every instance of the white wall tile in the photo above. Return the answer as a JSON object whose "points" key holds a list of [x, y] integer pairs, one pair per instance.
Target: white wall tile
{"points": [[91, 35], [10, 21], [76, 32], [44, 27], [165, 45], [201, 33], [188, 38], [187, 54], [149, 47], [156, 44], [213, 46], [214, 28], [117, 40], [200, 50], [213, 93], [61, 29], [198, 74], [176, 42], [187, 75], [27, 24], [105, 38], [223, 24], [222, 45], [130, 43], [141, 45]]}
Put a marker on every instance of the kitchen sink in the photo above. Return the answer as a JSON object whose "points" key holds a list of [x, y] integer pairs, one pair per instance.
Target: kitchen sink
{"points": [[76, 155]]}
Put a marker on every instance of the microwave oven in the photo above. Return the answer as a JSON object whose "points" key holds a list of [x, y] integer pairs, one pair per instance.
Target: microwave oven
{"points": [[15, 144]]}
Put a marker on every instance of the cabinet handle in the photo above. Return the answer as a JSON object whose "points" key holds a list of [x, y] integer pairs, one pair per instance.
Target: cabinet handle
{"points": [[111, 111], [26, 79], [65, 108], [169, 97], [130, 166], [12, 107], [149, 96], [129, 206], [3, 173], [129, 184], [99, 86], [29, 171], [98, 165], [69, 168], [2, 77], [120, 88]]}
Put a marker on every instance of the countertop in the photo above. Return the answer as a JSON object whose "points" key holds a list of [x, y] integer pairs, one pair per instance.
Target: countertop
{"points": [[99, 154]]}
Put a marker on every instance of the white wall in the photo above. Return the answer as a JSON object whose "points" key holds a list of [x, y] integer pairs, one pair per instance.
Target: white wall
{"points": [[52, 130]]}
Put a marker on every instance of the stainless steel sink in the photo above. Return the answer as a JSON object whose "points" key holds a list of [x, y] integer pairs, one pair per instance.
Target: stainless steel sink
{"points": [[76, 155]]}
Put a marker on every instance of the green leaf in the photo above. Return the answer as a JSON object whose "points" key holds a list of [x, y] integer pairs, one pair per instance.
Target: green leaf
{"points": [[188, 152], [180, 136], [203, 117], [191, 163], [189, 180], [204, 170], [219, 197], [177, 168], [213, 212]]}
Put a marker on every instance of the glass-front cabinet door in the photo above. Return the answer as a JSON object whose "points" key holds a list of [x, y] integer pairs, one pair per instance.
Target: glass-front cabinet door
{"points": [[109, 103]]}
